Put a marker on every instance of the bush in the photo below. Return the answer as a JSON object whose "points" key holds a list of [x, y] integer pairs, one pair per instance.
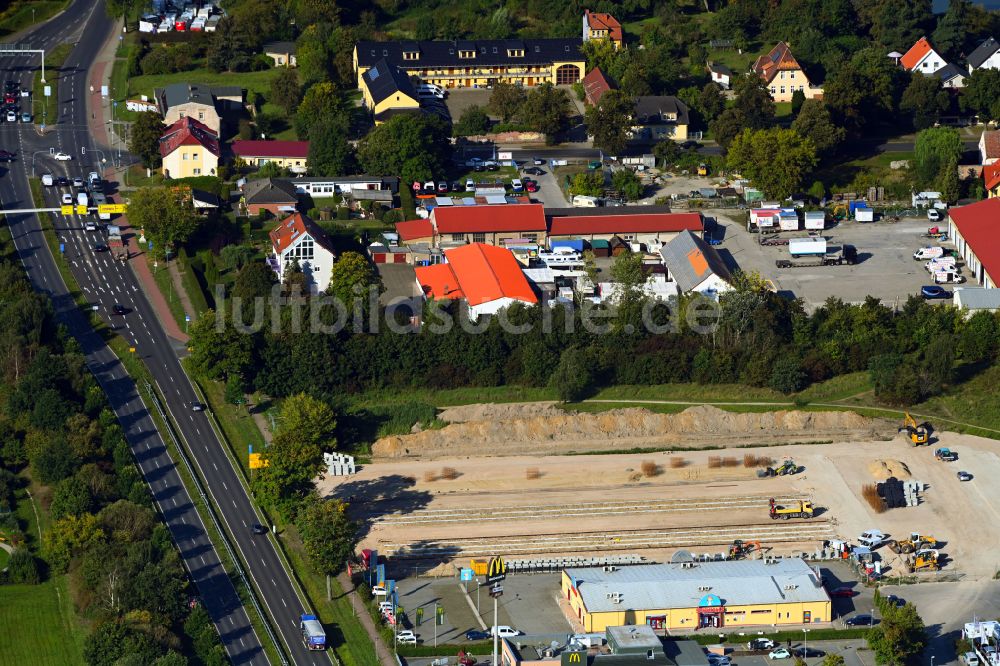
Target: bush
{"points": [[649, 468], [23, 568]]}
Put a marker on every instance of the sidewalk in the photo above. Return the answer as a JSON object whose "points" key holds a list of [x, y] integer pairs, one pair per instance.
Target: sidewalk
{"points": [[141, 268], [385, 656]]}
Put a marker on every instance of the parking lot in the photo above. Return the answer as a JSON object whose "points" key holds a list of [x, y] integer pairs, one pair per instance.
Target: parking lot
{"points": [[885, 268]]}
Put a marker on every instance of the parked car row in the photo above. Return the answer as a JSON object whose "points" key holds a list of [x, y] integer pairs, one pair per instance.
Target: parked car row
{"points": [[444, 187]]}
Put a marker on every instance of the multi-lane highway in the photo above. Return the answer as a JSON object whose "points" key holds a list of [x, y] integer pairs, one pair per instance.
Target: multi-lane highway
{"points": [[105, 283]]}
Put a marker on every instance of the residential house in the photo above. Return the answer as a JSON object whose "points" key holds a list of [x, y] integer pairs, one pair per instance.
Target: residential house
{"points": [[695, 265], [212, 106], [976, 299], [659, 117], [595, 84], [991, 179], [416, 232], [282, 53], [985, 56], [291, 155], [478, 63], [783, 74], [275, 195], [299, 239], [486, 277], [975, 231], [598, 25], [329, 186], [721, 75], [652, 226], [387, 91], [922, 58], [989, 147], [189, 148], [952, 76]]}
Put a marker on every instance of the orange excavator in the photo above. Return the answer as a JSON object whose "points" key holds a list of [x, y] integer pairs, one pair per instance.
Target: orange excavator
{"points": [[741, 549]]}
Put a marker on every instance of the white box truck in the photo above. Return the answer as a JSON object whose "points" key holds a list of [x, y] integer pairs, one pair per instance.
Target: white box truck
{"points": [[930, 252], [864, 215]]}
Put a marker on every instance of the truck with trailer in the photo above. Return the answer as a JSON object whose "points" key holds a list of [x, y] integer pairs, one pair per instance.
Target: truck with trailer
{"points": [[313, 634], [807, 247], [117, 245], [847, 254]]}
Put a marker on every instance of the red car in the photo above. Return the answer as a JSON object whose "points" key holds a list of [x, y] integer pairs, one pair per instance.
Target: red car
{"points": [[530, 186], [842, 592], [10, 98]]}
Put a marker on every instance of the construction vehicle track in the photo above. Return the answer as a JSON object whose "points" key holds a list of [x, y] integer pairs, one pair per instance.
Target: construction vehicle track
{"points": [[591, 542]]}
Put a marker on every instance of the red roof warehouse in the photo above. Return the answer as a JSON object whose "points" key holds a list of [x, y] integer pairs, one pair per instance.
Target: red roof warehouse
{"points": [[976, 231]]}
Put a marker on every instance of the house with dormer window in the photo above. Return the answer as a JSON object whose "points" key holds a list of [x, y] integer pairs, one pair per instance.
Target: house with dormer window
{"points": [[783, 74], [298, 239]]}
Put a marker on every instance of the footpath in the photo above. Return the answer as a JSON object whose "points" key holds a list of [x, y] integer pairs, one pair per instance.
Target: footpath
{"points": [[385, 656]]}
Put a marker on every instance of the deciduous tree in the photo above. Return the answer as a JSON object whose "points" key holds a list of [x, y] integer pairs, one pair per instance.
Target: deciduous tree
{"points": [[776, 160], [415, 147], [925, 100], [628, 184], [610, 121], [899, 638], [310, 420], [932, 149], [327, 533], [330, 153], [572, 379], [320, 100], [981, 94], [351, 280], [546, 110], [814, 123], [166, 217], [474, 120], [506, 101], [285, 90], [144, 140]]}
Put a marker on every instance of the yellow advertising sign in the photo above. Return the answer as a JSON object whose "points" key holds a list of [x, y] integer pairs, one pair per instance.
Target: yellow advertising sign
{"points": [[81, 210], [256, 462], [67, 210], [111, 209]]}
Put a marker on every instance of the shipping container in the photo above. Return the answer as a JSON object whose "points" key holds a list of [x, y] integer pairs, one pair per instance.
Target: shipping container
{"points": [[575, 244], [864, 215], [788, 220], [815, 220], [802, 247]]}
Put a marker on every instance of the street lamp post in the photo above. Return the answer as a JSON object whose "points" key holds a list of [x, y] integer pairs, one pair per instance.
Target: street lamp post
{"points": [[805, 643]]}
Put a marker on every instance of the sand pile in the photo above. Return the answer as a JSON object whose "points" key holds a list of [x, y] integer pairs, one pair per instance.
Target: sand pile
{"points": [[500, 410], [545, 430], [884, 468]]}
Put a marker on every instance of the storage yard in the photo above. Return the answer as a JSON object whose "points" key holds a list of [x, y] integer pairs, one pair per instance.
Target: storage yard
{"points": [[537, 501]]}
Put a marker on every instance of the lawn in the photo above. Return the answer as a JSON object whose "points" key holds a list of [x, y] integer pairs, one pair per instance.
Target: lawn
{"points": [[976, 402], [259, 82], [161, 274], [24, 13], [50, 105], [37, 625]]}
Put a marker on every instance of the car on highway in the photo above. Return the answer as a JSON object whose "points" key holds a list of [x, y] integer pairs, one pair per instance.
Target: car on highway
{"points": [[476, 635], [62, 181], [62, 157], [10, 98], [12, 116], [25, 117], [503, 631], [406, 637], [760, 644], [964, 476], [257, 528], [90, 225], [861, 620], [779, 653], [100, 247], [119, 309], [197, 406], [78, 182], [6, 156], [842, 592], [9, 85], [933, 291], [67, 199]]}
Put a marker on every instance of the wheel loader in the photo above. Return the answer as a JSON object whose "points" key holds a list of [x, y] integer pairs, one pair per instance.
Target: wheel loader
{"points": [[798, 509], [787, 467], [919, 434], [915, 543]]}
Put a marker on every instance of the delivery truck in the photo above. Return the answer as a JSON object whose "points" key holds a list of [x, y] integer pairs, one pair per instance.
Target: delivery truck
{"points": [[313, 634], [845, 255], [930, 252]]}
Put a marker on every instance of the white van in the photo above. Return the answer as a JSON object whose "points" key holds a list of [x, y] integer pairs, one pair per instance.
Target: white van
{"points": [[583, 201], [100, 200], [931, 252], [948, 277], [47, 180], [81, 199], [504, 631]]}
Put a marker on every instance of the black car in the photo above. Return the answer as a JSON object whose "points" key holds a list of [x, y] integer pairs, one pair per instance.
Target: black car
{"points": [[100, 247], [803, 652], [62, 181], [257, 528], [457, 187], [476, 635], [119, 309], [478, 167], [688, 145], [10, 86], [933, 291], [534, 171], [6, 156], [893, 600], [861, 621], [97, 186]]}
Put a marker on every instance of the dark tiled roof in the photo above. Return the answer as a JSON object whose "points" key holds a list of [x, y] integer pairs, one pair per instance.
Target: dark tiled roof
{"points": [[384, 80], [269, 191], [949, 72], [982, 52], [648, 106], [182, 93], [489, 52], [719, 69], [280, 47], [691, 260]]}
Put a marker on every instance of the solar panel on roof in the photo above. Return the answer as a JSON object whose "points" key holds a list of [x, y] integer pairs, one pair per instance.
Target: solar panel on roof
{"points": [[373, 73]]}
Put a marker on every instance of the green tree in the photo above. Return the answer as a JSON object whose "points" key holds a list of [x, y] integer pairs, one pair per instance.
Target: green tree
{"points": [[752, 109], [798, 99], [312, 57], [711, 102], [610, 122], [981, 94], [71, 498], [833, 660], [573, 379], [166, 217], [144, 138], [787, 375], [588, 183], [667, 152], [236, 256], [546, 110], [309, 420], [776, 160], [415, 147], [474, 120], [628, 184], [925, 100], [22, 569], [932, 149], [286, 91], [254, 280], [814, 123], [320, 100], [235, 390], [351, 280], [330, 152], [953, 30], [68, 536], [630, 277], [506, 101], [291, 464], [327, 533], [899, 638], [947, 181]]}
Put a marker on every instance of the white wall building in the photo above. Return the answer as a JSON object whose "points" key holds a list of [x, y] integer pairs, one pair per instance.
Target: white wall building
{"points": [[300, 239]]}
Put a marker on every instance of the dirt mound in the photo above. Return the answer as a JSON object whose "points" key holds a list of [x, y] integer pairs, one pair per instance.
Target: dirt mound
{"points": [[501, 410], [552, 431], [884, 468]]}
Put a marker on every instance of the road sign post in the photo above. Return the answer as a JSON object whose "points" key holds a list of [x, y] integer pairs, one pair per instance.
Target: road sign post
{"points": [[496, 572]]}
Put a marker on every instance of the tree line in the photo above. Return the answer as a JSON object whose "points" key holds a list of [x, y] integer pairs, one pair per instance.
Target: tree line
{"points": [[58, 433]]}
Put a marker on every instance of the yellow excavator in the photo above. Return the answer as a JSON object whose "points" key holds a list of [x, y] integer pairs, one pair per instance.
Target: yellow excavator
{"points": [[915, 543], [924, 560], [918, 434]]}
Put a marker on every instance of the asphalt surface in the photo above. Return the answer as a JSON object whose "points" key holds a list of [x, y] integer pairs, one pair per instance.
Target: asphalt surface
{"points": [[107, 282]]}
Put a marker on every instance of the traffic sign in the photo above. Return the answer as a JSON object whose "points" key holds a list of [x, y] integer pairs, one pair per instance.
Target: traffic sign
{"points": [[496, 571], [187, 318], [466, 574], [111, 208], [67, 210], [81, 210], [256, 462]]}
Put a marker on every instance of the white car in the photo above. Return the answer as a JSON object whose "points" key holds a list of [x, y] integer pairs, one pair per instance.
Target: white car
{"points": [[406, 637], [871, 538], [779, 653], [504, 631], [378, 591], [934, 215], [90, 225], [62, 157], [517, 185], [67, 199]]}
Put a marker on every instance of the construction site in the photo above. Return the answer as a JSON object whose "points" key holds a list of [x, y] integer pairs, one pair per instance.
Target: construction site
{"points": [[719, 485]]}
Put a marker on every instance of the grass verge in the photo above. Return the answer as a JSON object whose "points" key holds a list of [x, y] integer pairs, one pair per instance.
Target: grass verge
{"points": [[26, 13], [50, 105], [38, 626], [161, 275]]}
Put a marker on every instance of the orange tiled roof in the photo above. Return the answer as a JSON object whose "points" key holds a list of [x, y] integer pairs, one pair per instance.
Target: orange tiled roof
{"points": [[780, 58], [991, 140], [595, 84], [292, 228], [602, 21], [479, 273], [991, 175], [413, 229], [916, 53], [188, 132], [439, 282]]}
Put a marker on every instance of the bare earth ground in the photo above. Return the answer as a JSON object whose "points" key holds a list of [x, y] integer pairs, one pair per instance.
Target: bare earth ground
{"points": [[539, 503]]}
